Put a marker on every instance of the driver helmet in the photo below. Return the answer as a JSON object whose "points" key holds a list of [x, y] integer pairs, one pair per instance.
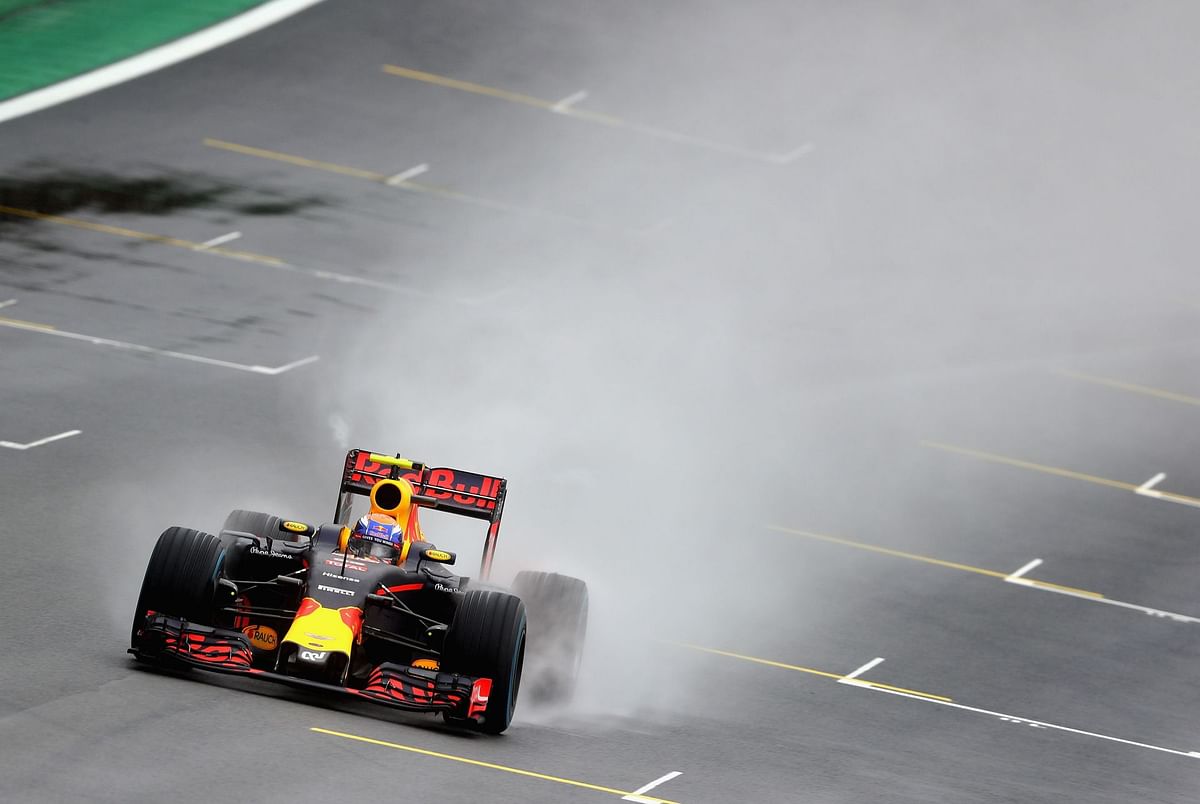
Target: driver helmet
{"points": [[377, 536]]}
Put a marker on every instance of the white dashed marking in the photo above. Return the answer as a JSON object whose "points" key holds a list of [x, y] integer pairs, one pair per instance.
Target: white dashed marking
{"points": [[636, 795], [403, 176], [566, 103], [217, 241], [40, 442]]}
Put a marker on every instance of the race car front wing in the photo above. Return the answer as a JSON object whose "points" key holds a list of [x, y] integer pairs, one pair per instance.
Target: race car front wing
{"points": [[221, 650]]}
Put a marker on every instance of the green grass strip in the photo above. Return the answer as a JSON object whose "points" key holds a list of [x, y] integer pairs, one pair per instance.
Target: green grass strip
{"points": [[47, 41]]}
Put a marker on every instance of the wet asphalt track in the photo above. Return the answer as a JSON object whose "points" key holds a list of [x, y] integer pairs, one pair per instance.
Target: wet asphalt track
{"points": [[163, 437]]}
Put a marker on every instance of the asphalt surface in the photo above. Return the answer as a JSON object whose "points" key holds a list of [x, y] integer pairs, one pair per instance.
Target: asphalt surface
{"points": [[668, 346]]}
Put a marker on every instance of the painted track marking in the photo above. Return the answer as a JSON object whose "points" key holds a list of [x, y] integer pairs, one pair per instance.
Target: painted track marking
{"points": [[400, 178], [7, 303], [992, 457], [569, 110], [878, 660], [134, 234], [1016, 578], [39, 442], [637, 796], [482, 764], [1145, 390], [157, 58], [1040, 724], [944, 701], [566, 103], [797, 668], [217, 241], [1037, 562], [1151, 483], [405, 184], [1147, 490], [243, 256], [46, 329]]}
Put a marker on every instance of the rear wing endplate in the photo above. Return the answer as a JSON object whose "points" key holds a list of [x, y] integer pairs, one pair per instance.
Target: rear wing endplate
{"points": [[452, 490]]}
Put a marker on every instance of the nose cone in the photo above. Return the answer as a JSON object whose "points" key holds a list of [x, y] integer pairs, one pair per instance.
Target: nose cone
{"points": [[318, 628]]}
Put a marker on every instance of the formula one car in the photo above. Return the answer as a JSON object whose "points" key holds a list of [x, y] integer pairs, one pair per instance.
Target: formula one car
{"points": [[365, 607]]}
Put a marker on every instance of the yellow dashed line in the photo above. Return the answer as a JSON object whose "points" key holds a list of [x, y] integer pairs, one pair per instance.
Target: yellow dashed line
{"points": [[489, 765], [16, 322], [890, 552], [292, 159], [1133, 387], [1034, 467], [1054, 470], [926, 559], [381, 178], [567, 110], [467, 86], [757, 660], [809, 670], [134, 234]]}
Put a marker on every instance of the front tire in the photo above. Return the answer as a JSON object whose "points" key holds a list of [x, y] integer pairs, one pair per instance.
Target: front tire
{"points": [[487, 640], [180, 578]]}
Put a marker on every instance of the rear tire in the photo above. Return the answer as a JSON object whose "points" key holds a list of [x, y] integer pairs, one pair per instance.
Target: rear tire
{"points": [[181, 577], [254, 522], [558, 613], [487, 640]]}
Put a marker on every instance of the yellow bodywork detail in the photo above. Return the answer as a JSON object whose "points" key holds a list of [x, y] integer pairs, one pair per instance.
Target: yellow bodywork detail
{"points": [[323, 629], [387, 460]]}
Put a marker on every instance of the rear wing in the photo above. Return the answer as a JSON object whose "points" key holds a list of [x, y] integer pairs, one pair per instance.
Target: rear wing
{"points": [[452, 490]]}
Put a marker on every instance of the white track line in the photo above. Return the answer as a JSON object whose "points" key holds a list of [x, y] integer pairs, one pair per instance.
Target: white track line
{"points": [[216, 241], [8, 303], [29, 326], [1035, 723], [1037, 562], [32, 444], [566, 103], [1017, 579], [1152, 482], [636, 795], [214, 36], [1147, 490], [1170, 615], [403, 176], [878, 660]]}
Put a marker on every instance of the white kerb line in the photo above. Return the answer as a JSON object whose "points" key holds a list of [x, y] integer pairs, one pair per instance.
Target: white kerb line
{"points": [[849, 678], [403, 176], [636, 795], [566, 103], [216, 241], [1037, 562], [1146, 487], [8, 303]]}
